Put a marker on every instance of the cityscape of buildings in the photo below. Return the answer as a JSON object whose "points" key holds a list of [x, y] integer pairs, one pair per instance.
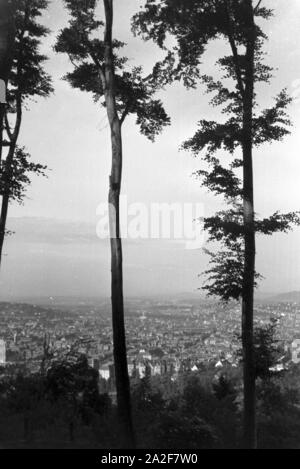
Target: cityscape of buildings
{"points": [[165, 336]]}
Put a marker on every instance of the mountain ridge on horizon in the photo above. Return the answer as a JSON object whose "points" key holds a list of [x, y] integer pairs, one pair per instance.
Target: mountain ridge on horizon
{"points": [[291, 296]]}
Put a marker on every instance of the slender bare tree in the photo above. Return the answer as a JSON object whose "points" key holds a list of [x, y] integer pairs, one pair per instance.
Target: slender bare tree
{"points": [[98, 68]]}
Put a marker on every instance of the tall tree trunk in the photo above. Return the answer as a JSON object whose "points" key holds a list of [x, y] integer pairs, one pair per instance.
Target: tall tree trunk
{"points": [[249, 237], [7, 175], [7, 40], [119, 338], [3, 219]]}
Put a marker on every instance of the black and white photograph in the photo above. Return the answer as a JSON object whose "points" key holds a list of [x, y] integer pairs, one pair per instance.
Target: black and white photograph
{"points": [[149, 228]]}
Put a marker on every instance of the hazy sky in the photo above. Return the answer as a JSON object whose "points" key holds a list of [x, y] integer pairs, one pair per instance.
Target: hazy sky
{"points": [[55, 250]]}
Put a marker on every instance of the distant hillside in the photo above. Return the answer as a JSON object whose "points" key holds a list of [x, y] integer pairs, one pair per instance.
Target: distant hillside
{"points": [[289, 297]]}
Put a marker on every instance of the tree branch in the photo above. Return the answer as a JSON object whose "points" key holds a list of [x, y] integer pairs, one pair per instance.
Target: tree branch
{"points": [[7, 126], [98, 65], [14, 134], [86, 41], [125, 112], [234, 52], [109, 21], [110, 95], [16, 131], [257, 6]]}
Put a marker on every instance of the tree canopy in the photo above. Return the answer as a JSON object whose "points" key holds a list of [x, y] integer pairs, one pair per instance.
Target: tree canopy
{"points": [[135, 93]]}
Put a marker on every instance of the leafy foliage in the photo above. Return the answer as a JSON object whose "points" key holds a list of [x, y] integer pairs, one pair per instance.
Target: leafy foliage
{"points": [[76, 384], [193, 25], [268, 350], [18, 178], [225, 273], [200, 410], [134, 92], [28, 80]]}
